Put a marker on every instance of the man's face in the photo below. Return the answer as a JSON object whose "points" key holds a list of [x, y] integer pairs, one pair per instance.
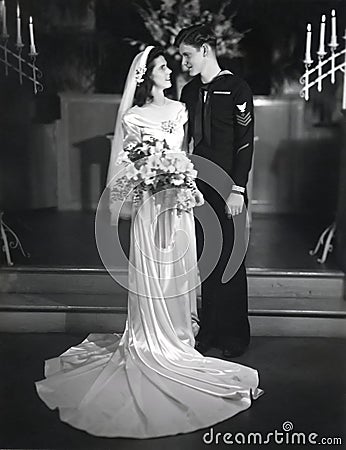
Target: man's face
{"points": [[192, 58]]}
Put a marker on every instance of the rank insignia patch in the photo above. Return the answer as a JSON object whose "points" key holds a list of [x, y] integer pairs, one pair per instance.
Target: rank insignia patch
{"points": [[242, 107], [244, 119]]}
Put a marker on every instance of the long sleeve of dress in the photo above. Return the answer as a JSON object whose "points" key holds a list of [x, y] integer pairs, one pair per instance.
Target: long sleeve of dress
{"points": [[132, 132], [131, 136], [120, 195]]}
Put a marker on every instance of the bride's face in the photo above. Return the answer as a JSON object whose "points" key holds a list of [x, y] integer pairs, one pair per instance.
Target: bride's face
{"points": [[161, 73]]}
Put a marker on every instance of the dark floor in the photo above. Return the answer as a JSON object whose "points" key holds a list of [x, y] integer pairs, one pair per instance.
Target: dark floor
{"points": [[303, 378], [67, 239]]}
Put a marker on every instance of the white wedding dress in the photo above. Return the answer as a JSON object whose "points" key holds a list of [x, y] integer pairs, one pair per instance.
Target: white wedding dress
{"points": [[150, 381]]}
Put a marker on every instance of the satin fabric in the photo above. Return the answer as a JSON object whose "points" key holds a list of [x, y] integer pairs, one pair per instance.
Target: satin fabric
{"points": [[150, 381]]}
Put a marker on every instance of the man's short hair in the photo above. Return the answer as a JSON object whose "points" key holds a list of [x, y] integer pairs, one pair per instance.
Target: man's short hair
{"points": [[196, 36]]}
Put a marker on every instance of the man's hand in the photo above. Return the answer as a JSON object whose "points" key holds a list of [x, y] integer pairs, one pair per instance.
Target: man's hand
{"points": [[234, 204]]}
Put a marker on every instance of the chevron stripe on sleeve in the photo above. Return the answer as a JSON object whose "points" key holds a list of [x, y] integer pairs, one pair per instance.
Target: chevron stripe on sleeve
{"points": [[244, 119]]}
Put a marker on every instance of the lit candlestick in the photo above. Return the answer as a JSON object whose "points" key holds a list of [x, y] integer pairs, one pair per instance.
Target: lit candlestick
{"points": [[19, 31], [32, 41], [344, 88], [308, 59], [333, 40], [333, 45], [3, 17], [321, 51]]}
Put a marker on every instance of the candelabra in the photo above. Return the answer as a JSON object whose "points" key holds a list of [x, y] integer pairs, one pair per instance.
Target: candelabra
{"points": [[313, 76], [15, 61], [26, 68], [14, 241]]}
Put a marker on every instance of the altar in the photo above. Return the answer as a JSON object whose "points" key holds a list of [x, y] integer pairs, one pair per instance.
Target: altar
{"points": [[281, 181]]}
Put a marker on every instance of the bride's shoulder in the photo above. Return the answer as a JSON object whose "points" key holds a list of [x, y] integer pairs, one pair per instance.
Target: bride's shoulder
{"points": [[176, 104], [131, 114], [179, 109], [131, 111]]}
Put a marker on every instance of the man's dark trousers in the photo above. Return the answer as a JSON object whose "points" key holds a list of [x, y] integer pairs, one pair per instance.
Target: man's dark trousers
{"points": [[224, 313]]}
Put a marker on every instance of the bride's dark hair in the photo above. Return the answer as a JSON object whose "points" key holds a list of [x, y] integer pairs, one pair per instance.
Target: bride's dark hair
{"points": [[143, 91]]}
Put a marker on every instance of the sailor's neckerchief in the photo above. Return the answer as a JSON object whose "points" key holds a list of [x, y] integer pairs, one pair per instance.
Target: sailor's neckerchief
{"points": [[204, 97]]}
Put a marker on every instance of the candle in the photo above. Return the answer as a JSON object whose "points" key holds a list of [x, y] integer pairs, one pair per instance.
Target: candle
{"points": [[344, 86], [333, 40], [19, 31], [32, 41], [308, 59], [321, 50], [3, 16]]}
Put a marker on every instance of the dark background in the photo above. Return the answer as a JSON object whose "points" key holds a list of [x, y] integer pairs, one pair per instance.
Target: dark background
{"points": [[82, 48], [70, 42]]}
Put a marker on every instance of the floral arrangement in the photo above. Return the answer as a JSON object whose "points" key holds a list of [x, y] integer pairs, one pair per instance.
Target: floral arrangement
{"points": [[152, 166], [165, 22]]}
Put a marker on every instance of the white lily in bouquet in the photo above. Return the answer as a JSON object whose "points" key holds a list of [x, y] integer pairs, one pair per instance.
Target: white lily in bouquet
{"points": [[151, 166]]}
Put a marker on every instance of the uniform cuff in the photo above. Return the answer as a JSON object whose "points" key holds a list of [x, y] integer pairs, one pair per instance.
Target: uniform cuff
{"points": [[238, 189]]}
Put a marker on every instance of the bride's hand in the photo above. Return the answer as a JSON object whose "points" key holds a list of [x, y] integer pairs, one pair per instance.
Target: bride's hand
{"points": [[120, 210], [126, 211], [199, 199]]}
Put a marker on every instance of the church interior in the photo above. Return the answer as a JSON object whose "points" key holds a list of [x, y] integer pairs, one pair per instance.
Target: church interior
{"points": [[55, 139]]}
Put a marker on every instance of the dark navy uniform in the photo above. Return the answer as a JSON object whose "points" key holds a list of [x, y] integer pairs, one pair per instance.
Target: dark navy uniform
{"points": [[221, 122]]}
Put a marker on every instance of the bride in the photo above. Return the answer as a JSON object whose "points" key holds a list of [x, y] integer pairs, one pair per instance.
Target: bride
{"points": [[150, 381]]}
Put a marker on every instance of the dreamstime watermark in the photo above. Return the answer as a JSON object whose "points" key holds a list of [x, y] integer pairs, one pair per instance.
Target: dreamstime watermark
{"points": [[179, 250], [286, 436]]}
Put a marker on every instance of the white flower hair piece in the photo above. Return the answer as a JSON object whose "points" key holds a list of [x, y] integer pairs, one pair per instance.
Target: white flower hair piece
{"points": [[139, 75]]}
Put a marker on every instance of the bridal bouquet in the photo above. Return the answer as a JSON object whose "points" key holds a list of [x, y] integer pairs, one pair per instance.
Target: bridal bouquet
{"points": [[150, 166]]}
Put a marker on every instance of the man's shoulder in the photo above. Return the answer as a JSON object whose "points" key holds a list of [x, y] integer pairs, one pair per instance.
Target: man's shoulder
{"points": [[231, 80], [192, 85]]}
